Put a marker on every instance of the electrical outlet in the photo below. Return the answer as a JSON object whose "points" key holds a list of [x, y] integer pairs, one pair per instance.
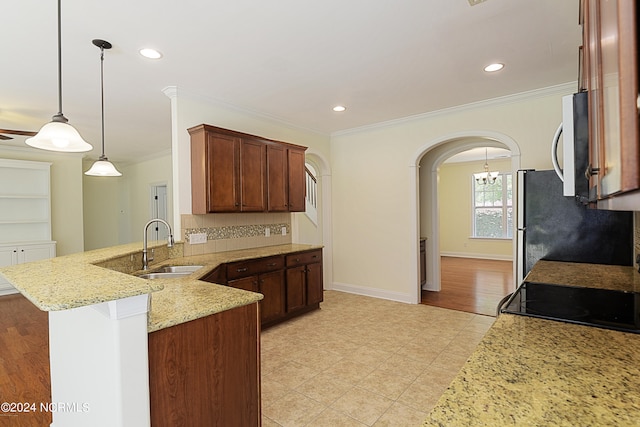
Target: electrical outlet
{"points": [[267, 232], [198, 238], [284, 231]]}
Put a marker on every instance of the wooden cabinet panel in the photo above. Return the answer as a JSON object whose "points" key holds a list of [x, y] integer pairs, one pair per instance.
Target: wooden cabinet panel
{"points": [[315, 289], [206, 372], [296, 288], [222, 169], [271, 285], [254, 266], [252, 175], [611, 70], [277, 178], [302, 258], [297, 181]]}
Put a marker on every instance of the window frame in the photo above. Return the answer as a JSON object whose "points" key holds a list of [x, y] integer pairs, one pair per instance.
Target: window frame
{"points": [[507, 232]]}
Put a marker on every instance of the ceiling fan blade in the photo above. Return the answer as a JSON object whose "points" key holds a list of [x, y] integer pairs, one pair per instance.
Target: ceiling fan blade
{"points": [[4, 138], [18, 132]]}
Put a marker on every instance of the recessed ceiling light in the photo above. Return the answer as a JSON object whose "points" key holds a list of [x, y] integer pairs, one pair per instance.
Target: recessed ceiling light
{"points": [[494, 67], [339, 108], [150, 53]]}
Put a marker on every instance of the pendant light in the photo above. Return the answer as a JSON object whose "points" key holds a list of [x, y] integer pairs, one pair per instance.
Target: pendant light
{"points": [[486, 177], [58, 135], [102, 167]]}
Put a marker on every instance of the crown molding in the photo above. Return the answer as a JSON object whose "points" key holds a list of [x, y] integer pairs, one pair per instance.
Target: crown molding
{"points": [[559, 90]]}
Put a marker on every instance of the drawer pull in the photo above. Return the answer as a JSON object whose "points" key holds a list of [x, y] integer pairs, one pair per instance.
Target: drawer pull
{"points": [[242, 270], [314, 256], [272, 264]]}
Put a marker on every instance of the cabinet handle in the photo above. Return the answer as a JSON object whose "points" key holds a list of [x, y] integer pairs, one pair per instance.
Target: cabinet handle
{"points": [[314, 256], [242, 270], [273, 264], [297, 259]]}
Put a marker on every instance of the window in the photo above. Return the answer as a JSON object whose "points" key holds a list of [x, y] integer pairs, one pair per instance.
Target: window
{"points": [[493, 208]]}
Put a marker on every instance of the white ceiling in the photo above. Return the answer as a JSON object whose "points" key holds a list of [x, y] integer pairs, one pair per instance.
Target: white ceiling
{"points": [[292, 60]]}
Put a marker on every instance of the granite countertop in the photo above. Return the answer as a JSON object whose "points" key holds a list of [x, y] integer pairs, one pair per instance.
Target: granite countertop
{"points": [[537, 372], [75, 280], [188, 298]]}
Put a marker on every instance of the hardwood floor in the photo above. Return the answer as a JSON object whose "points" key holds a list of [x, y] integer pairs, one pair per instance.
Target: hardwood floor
{"points": [[24, 361], [471, 285]]}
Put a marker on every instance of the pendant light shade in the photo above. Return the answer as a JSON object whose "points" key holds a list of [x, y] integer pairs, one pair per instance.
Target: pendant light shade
{"points": [[58, 135], [102, 167]]}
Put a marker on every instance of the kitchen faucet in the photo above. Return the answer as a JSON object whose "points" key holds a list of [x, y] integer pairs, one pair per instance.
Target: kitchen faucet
{"points": [[145, 256]]}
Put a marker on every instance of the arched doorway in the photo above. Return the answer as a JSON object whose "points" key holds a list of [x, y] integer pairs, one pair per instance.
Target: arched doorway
{"points": [[324, 223], [424, 167]]}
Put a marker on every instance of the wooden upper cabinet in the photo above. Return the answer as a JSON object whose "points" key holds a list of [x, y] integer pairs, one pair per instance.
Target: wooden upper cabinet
{"points": [[611, 62], [215, 173], [296, 180], [237, 172], [277, 178], [252, 175]]}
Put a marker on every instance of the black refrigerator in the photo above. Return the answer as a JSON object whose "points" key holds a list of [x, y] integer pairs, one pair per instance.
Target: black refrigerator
{"points": [[558, 228]]}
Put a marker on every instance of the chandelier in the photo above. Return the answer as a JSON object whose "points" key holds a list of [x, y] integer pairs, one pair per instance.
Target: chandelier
{"points": [[486, 177]]}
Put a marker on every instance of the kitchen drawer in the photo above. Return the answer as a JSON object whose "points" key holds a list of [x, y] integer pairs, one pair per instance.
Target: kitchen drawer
{"points": [[236, 270], [302, 258]]}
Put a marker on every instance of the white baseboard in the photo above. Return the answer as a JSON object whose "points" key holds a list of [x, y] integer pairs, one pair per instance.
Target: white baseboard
{"points": [[7, 289], [372, 292], [478, 256]]}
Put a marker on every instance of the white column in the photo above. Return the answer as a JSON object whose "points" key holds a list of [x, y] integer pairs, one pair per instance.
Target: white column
{"points": [[99, 364]]}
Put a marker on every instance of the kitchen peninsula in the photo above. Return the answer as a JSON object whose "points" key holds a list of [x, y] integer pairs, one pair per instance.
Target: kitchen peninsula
{"points": [[117, 341], [530, 371]]}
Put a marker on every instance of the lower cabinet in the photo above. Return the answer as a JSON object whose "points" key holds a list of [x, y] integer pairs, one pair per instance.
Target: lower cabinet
{"points": [[304, 280], [271, 285], [206, 372], [291, 284], [21, 253]]}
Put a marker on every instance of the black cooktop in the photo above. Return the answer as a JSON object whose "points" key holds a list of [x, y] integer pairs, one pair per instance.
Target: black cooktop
{"points": [[586, 306]]}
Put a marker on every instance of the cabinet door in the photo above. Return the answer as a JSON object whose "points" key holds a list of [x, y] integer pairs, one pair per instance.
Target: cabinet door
{"points": [[314, 284], [252, 175], [297, 181], [8, 256], [277, 198], [271, 285], [611, 58], [223, 178], [28, 253], [247, 283], [296, 284]]}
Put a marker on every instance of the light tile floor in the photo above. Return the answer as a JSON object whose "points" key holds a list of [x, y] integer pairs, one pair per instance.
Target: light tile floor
{"points": [[361, 361]]}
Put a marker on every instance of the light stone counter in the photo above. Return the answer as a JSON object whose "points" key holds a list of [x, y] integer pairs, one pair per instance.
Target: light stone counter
{"points": [[77, 280], [535, 372]]}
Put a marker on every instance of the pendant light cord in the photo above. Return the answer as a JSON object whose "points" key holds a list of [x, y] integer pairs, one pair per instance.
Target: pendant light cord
{"points": [[102, 94], [60, 116]]}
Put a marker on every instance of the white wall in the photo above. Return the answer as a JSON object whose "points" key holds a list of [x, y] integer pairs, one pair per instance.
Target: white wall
{"points": [[117, 208], [374, 177], [66, 194]]}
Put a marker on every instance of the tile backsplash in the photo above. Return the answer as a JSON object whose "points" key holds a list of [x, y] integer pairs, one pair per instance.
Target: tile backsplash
{"points": [[227, 232]]}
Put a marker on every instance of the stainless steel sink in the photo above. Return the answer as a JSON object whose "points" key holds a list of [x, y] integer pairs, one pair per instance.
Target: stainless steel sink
{"points": [[171, 272], [180, 268], [164, 275]]}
